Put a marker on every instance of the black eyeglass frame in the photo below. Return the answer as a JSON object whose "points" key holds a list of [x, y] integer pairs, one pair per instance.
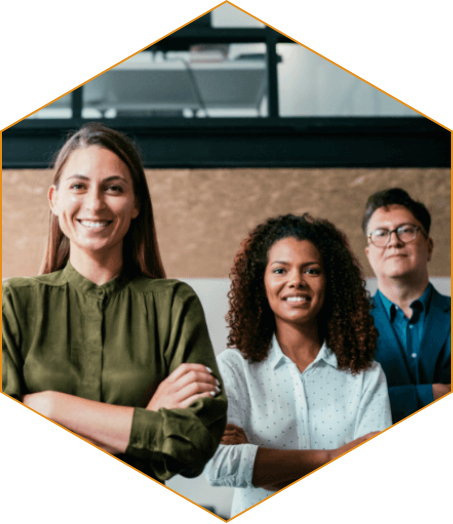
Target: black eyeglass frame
{"points": [[417, 229]]}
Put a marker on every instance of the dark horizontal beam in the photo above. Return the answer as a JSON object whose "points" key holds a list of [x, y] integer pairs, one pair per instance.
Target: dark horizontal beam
{"points": [[189, 35], [252, 142]]}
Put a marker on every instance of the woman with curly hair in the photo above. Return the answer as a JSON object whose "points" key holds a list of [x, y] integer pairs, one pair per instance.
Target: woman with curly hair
{"points": [[301, 382]]}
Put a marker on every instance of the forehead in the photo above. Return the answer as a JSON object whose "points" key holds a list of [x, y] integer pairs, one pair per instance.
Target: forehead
{"points": [[391, 217], [291, 248], [95, 162]]}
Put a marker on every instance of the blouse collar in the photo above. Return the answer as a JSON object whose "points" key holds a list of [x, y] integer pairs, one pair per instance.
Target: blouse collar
{"points": [[86, 286], [277, 357]]}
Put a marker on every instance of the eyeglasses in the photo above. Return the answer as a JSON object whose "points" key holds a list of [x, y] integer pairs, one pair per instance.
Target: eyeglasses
{"points": [[406, 233]]}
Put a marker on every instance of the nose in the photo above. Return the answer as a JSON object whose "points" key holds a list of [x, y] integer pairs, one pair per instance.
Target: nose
{"points": [[94, 200], [394, 240], [297, 279]]}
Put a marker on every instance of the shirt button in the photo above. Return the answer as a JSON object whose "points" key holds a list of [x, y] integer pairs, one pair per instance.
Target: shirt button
{"points": [[99, 292], [411, 326], [414, 355]]}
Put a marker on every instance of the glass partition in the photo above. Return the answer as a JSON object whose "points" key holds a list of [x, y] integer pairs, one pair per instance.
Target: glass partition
{"points": [[207, 80], [309, 85], [61, 108]]}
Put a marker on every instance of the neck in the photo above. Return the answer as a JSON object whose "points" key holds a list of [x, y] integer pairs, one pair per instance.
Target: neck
{"points": [[97, 267], [403, 291], [300, 343]]}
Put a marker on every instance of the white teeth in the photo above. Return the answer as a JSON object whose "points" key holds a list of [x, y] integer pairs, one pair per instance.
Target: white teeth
{"points": [[89, 223], [296, 299]]}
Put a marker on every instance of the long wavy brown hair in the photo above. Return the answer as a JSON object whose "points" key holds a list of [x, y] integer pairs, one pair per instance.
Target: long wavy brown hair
{"points": [[141, 254], [344, 322]]}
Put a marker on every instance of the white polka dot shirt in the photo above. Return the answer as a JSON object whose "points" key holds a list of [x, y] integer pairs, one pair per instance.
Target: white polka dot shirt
{"points": [[279, 407]]}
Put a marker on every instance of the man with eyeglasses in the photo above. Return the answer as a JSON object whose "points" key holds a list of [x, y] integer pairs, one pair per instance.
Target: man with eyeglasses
{"points": [[413, 319]]}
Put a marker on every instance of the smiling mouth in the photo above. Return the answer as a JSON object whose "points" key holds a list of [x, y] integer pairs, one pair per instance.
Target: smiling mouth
{"points": [[94, 224], [296, 299]]}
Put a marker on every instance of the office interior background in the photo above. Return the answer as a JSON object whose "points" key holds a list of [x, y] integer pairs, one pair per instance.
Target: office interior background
{"points": [[236, 123]]}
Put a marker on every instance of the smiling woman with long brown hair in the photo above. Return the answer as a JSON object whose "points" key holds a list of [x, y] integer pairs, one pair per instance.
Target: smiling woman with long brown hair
{"points": [[301, 383], [101, 342]]}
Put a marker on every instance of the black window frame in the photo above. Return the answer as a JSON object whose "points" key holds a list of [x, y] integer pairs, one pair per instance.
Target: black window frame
{"points": [[268, 141]]}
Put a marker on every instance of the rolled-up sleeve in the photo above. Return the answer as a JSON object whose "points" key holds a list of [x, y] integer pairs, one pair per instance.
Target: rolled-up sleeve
{"points": [[181, 441], [233, 465], [374, 412]]}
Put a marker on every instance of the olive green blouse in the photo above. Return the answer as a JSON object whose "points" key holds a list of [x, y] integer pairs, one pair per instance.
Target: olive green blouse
{"points": [[115, 343]]}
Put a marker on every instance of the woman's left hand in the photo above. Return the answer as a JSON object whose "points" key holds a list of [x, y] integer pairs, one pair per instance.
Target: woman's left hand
{"points": [[233, 436]]}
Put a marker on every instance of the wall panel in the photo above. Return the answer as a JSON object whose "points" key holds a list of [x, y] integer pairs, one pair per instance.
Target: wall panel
{"points": [[203, 214]]}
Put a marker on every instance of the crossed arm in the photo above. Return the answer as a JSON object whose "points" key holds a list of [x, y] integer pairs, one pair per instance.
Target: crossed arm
{"points": [[409, 398], [241, 463], [177, 432], [275, 469], [109, 426]]}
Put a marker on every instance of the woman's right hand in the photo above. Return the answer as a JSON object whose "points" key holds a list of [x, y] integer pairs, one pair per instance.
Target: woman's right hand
{"points": [[335, 453], [234, 435], [187, 383]]}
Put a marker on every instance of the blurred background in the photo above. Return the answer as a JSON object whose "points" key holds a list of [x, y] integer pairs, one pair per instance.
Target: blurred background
{"points": [[236, 124]]}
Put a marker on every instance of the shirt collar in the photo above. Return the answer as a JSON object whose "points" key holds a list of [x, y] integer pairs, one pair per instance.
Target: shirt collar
{"points": [[86, 286], [277, 358], [424, 301]]}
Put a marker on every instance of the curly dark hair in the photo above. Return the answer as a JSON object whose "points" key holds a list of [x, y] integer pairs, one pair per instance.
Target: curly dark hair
{"points": [[345, 322]]}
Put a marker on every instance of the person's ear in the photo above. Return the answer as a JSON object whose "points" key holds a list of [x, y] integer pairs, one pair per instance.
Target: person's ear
{"points": [[430, 248], [52, 197], [367, 251], [136, 210]]}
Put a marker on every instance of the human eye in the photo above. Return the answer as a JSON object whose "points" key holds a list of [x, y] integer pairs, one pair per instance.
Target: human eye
{"points": [[278, 271], [313, 271], [380, 233], [406, 229], [114, 188], [76, 186]]}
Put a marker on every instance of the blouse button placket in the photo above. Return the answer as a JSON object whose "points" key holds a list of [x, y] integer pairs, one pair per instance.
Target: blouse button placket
{"points": [[301, 408], [94, 319]]}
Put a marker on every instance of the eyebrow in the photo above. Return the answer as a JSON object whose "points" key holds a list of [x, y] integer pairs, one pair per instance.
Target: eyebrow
{"points": [[282, 262], [108, 179], [79, 177], [397, 227]]}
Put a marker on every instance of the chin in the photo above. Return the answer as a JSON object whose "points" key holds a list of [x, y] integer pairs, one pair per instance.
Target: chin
{"points": [[300, 321], [397, 271], [398, 274], [93, 247]]}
